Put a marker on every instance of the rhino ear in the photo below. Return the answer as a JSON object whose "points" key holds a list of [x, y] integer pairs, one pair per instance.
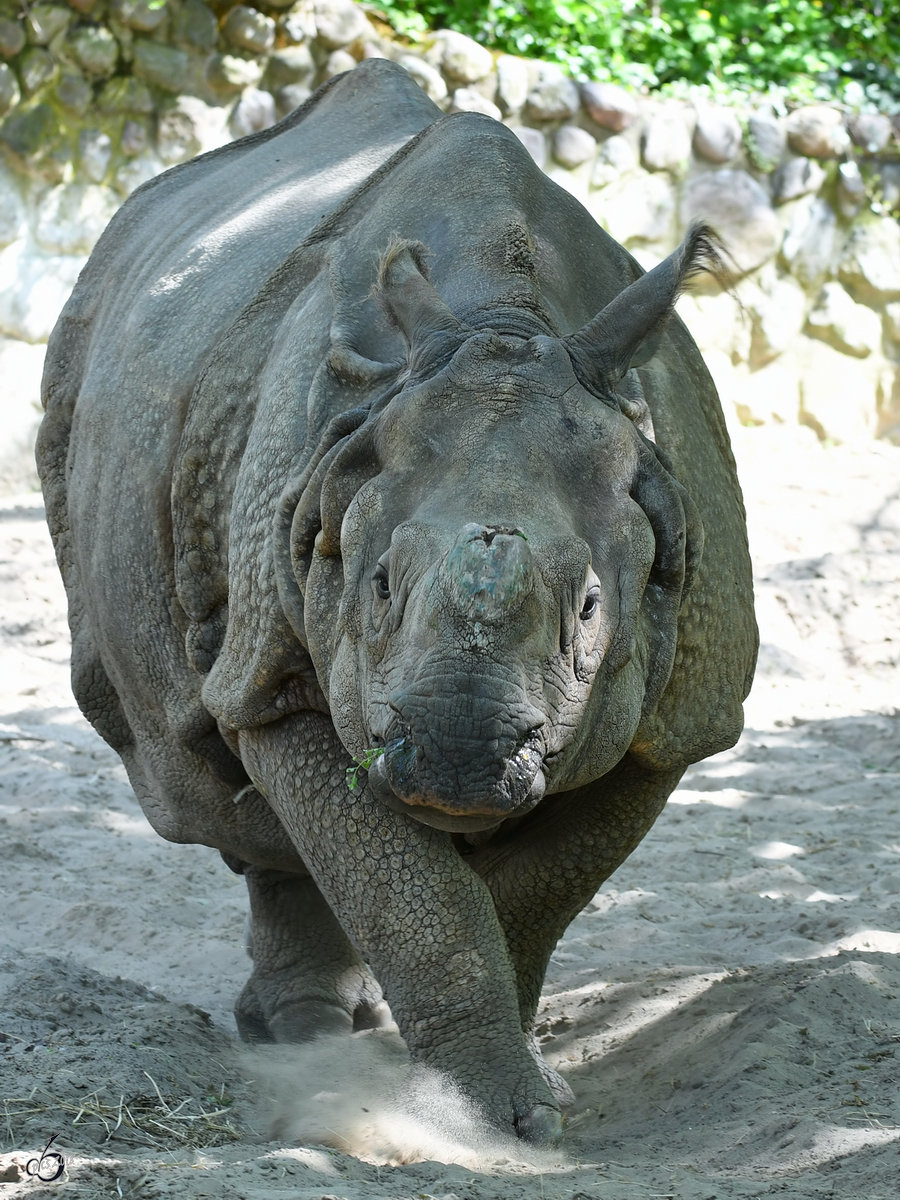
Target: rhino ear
{"points": [[627, 333], [409, 299]]}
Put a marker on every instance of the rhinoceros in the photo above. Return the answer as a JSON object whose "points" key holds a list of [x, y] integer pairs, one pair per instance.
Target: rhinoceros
{"points": [[366, 447]]}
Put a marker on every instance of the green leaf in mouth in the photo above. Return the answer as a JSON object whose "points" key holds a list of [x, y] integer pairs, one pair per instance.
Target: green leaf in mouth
{"points": [[362, 762]]}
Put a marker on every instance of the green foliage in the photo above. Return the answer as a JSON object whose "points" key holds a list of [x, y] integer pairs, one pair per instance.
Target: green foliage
{"points": [[362, 762], [803, 46]]}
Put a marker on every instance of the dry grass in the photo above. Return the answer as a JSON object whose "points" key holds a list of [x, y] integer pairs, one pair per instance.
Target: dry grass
{"points": [[148, 1120]]}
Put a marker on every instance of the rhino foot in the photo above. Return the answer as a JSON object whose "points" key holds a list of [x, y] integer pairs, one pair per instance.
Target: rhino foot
{"points": [[562, 1093], [375, 1015], [294, 1020], [299, 1019], [542, 1124], [307, 980]]}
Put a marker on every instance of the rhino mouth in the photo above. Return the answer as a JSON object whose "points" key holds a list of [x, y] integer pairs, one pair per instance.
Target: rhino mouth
{"points": [[400, 779]]}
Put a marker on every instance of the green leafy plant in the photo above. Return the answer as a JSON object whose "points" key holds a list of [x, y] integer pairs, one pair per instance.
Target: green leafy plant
{"points": [[799, 45], [362, 762]]}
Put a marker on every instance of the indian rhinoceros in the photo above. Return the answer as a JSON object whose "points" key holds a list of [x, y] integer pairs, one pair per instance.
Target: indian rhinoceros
{"points": [[365, 444]]}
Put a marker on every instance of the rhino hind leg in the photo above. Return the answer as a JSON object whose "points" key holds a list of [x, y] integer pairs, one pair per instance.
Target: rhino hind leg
{"points": [[307, 977]]}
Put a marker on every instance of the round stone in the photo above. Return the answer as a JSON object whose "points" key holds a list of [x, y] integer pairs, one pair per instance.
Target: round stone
{"points": [[512, 82], [249, 29], [94, 153], [74, 93], [778, 315], [165, 66], [616, 157], [637, 209], [534, 142], [254, 111], [796, 177], [573, 146], [810, 242], [291, 64], [298, 25], [37, 68], [73, 216], [12, 38], [429, 79], [609, 105], [290, 98], [717, 137], [851, 190], [666, 144], [9, 89], [463, 59], [339, 23], [339, 62], [766, 140], [12, 211], [228, 73], [31, 135], [471, 100], [870, 131], [195, 26], [817, 131], [553, 96], [135, 138], [125, 94], [136, 172], [870, 264], [94, 49], [45, 21], [141, 15], [177, 137], [847, 326]]}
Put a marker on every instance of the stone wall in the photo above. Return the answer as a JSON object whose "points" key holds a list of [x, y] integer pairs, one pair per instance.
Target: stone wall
{"points": [[96, 96]]}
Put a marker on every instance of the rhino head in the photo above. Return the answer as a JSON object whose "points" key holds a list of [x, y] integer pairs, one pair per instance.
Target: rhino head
{"points": [[493, 555]]}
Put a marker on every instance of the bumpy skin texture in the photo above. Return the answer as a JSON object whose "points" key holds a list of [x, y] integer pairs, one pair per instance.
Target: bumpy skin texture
{"points": [[350, 444]]}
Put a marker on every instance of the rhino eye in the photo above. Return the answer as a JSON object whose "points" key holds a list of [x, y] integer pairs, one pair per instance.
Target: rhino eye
{"points": [[591, 602], [380, 584]]}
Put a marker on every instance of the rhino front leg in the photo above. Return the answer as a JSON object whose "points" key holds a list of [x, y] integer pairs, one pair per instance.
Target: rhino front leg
{"points": [[307, 977], [418, 915], [555, 862]]}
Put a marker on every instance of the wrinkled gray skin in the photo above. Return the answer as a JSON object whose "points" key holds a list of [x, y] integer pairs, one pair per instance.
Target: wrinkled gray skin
{"points": [[307, 503]]}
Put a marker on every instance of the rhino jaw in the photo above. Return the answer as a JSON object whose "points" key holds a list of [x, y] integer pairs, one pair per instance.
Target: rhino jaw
{"points": [[393, 779]]}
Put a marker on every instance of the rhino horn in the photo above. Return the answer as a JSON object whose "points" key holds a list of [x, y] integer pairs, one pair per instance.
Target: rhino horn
{"points": [[628, 331], [409, 298], [490, 572]]}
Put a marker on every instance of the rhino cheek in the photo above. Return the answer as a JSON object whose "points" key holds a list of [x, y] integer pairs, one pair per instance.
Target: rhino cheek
{"points": [[607, 723]]}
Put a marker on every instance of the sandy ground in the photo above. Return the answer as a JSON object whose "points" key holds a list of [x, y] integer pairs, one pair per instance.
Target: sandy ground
{"points": [[727, 1009]]}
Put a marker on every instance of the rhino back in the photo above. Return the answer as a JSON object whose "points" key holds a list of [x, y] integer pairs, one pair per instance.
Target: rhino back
{"points": [[191, 248]]}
